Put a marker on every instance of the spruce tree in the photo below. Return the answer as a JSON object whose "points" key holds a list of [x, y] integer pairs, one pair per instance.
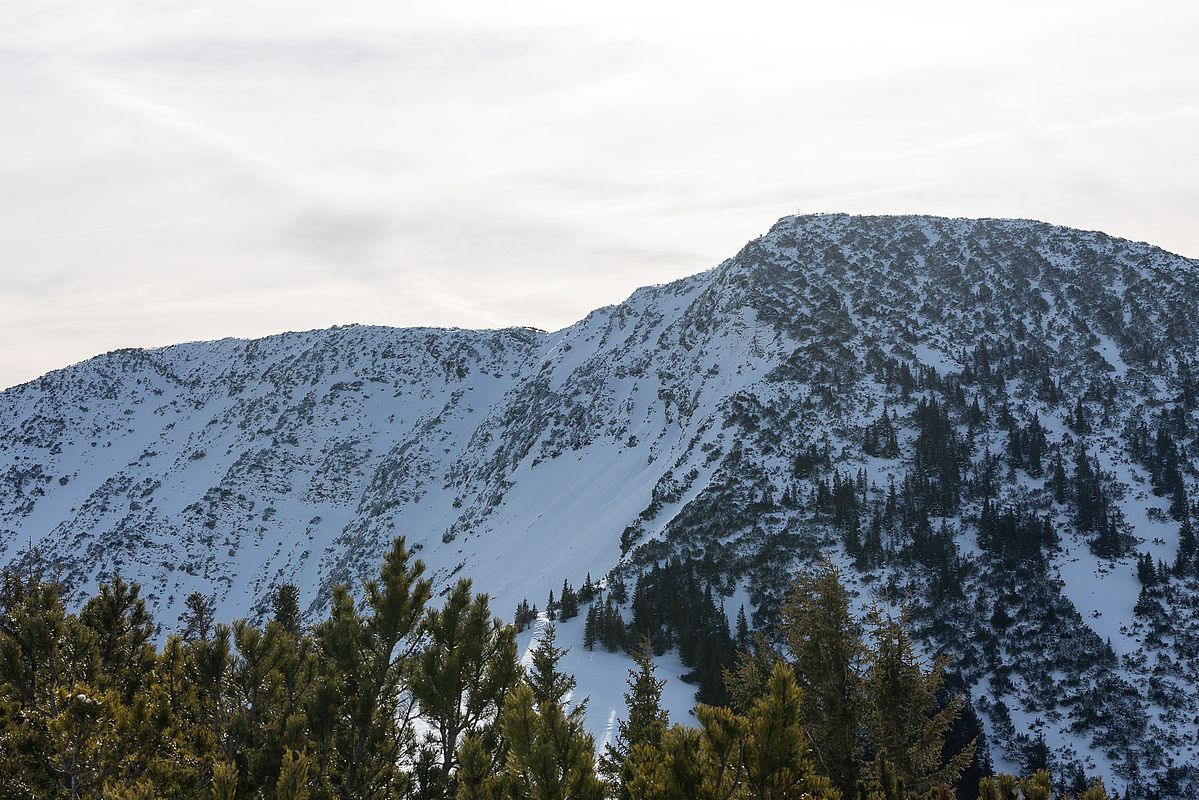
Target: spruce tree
{"points": [[1179, 504], [1185, 560], [743, 640], [905, 725], [548, 684], [644, 722], [550, 756], [589, 627], [569, 602], [619, 590], [1078, 420], [285, 607], [1059, 479], [822, 636]]}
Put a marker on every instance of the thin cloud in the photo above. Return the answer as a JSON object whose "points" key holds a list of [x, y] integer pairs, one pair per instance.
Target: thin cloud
{"points": [[179, 171]]}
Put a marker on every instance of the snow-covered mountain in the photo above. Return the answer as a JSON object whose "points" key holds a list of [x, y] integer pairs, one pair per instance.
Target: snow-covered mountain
{"points": [[705, 419]]}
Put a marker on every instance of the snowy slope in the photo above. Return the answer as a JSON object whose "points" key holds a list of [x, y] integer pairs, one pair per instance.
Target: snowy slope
{"points": [[669, 425]]}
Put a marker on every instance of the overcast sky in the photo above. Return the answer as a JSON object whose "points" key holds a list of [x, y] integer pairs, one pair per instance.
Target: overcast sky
{"points": [[172, 171]]}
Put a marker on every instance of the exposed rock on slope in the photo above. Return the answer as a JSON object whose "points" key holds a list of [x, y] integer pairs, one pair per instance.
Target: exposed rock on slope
{"points": [[708, 419]]}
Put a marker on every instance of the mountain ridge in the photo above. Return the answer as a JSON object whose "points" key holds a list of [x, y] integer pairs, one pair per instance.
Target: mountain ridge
{"points": [[781, 220], [702, 419]]}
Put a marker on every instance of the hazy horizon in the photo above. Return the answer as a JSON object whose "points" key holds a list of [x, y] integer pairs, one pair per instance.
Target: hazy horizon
{"points": [[176, 173]]}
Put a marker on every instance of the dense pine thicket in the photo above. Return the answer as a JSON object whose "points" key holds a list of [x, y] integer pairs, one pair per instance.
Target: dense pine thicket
{"points": [[391, 697]]}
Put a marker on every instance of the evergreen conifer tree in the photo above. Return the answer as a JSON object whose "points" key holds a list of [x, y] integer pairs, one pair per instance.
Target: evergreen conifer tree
{"points": [[285, 607], [462, 677], [224, 781], [292, 783], [743, 640], [776, 749], [904, 722], [1059, 478], [1185, 562], [550, 755], [823, 637], [198, 618], [548, 684], [477, 778], [645, 720], [359, 725], [589, 627]]}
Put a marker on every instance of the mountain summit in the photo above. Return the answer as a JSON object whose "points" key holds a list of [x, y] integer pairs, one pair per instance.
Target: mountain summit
{"points": [[991, 421]]}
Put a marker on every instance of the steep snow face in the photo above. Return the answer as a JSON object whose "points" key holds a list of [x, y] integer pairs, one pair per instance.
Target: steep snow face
{"points": [[676, 424], [227, 466]]}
